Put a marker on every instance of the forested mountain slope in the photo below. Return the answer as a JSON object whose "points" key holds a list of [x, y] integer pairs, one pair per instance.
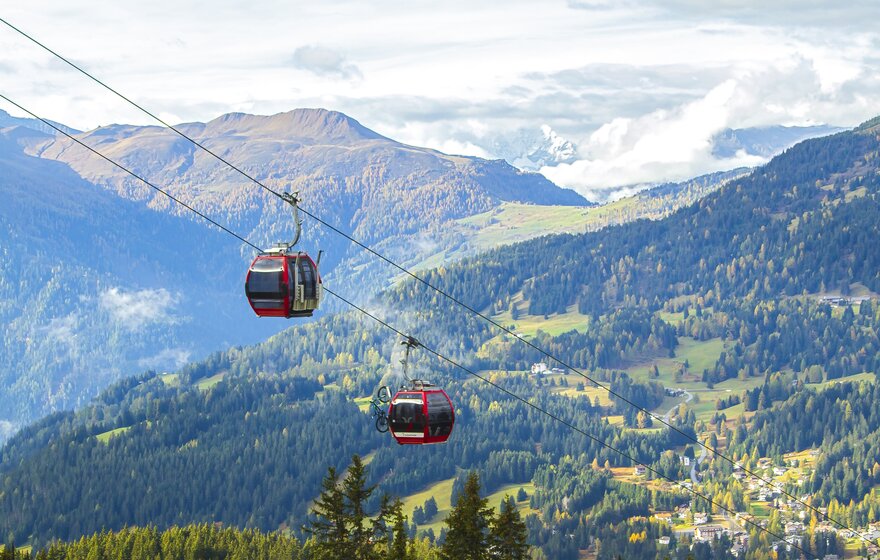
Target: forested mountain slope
{"points": [[93, 287], [804, 223], [259, 426]]}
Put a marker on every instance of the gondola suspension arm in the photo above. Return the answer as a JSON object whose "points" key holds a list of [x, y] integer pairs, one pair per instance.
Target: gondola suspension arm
{"points": [[293, 200]]}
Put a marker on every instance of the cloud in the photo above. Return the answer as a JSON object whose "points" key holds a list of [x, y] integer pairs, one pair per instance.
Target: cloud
{"points": [[660, 146], [857, 14], [7, 429], [61, 329], [167, 359], [322, 61], [599, 4], [424, 243], [139, 309], [427, 72]]}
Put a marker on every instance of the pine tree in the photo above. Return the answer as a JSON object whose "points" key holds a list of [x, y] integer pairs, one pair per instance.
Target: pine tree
{"points": [[430, 508], [357, 493], [468, 523], [398, 549], [508, 534], [329, 528]]}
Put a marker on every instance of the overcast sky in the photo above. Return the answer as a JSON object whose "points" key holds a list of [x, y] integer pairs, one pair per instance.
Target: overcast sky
{"points": [[639, 86]]}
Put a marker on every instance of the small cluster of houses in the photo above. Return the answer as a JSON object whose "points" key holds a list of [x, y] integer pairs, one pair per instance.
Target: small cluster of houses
{"points": [[795, 513], [843, 301], [541, 368]]}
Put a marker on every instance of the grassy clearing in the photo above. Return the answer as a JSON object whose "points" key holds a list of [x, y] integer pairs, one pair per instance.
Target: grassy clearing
{"points": [[170, 379], [574, 381], [368, 458], [524, 508], [515, 222], [434, 261], [209, 382], [703, 404], [805, 456], [627, 475], [646, 431], [668, 404], [699, 355], [552, 383], [860, 192], [856, 378], [442, 492], [856, 289], [670, 317], [105, 437], [528, 325], [363, 403], [760, 509]]}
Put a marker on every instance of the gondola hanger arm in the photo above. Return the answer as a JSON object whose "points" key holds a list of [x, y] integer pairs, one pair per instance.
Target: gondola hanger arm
{"points": [[293, 200]]}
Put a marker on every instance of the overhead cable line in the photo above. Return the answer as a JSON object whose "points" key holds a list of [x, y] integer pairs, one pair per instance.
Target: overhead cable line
{"points": [[607, 388], [430, 350]]}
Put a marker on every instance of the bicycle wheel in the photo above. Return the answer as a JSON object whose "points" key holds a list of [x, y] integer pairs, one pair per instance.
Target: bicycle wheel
{"points": [[384, 394], [382, 423]]}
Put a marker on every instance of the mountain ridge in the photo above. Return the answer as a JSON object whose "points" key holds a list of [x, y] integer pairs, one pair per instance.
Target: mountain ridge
{"points": [[312, 150]]}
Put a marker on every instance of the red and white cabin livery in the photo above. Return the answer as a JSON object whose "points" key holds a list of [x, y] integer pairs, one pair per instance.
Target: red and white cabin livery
{"points": [[422, 414]]}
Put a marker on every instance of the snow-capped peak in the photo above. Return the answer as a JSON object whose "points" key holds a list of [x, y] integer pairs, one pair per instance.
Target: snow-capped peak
{"points": [[531, 149]]}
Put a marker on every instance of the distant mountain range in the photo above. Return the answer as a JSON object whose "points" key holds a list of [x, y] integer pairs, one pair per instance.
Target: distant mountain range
{"points": [[765, 141], [533, 149], [350, 175], [7, 120]]}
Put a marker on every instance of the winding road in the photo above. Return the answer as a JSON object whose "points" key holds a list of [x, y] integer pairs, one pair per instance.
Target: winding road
{"points": [[696, 464], [703, 451], [669, 412]]}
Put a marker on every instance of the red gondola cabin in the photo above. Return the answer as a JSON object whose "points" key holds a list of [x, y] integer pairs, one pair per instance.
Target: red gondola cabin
{"points": [[423, 414], [279, 284]]}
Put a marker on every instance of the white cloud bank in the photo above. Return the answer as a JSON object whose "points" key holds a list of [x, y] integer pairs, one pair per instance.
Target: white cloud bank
{"points": [[7, 429], [676, 144], [322, 61], [137, 310], [661, 146], [61, 330], [167, 359]]}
